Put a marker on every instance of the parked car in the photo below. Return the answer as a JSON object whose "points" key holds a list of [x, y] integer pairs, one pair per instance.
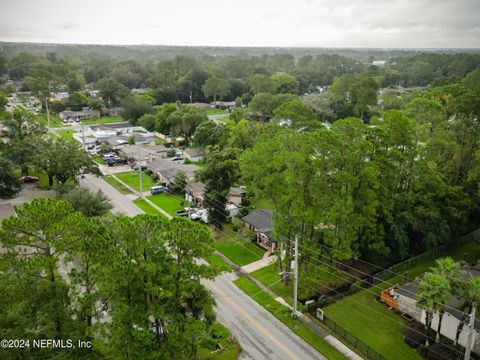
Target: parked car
{"points": [[142, 166], [154, 190], [182, 212], [177, 158], [28, 179], [201, 215], [116, 161]]}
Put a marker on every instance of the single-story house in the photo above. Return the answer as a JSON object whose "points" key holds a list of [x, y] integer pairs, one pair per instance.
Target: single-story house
{"points": [[194, 155], [60, 96], [115, 111], [403, 298], [79, 115], [236, 194], [166, 170], [260, 221], [224, 104], [202, 105], [197, 190], [146, 152]]}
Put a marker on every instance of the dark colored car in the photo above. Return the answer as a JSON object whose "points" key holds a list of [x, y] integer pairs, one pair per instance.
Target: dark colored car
{"points": [[28, 179], [181, 212], [116, 161]]}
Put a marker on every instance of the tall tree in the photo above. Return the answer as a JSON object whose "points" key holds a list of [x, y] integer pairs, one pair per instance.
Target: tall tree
{"points": [[215, 86]]}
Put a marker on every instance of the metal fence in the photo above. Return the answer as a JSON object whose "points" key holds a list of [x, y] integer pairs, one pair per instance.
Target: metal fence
{"points": [[353, 341]]}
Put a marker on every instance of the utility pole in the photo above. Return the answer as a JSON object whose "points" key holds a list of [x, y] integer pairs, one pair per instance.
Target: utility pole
{"points": [[471, 328], [83, 135], [139, 165], [295, 278], [46, 105]]}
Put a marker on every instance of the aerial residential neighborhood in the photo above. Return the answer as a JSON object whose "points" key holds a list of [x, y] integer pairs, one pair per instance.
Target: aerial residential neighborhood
{"points": [[273, 180]]}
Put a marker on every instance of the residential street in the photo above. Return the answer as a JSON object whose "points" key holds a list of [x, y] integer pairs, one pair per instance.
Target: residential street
{"points": [[260, 334], [120, 202]]}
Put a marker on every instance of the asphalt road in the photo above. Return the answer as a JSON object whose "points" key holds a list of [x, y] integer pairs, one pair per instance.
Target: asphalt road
{"points": [[259, 333], [121, 203]]}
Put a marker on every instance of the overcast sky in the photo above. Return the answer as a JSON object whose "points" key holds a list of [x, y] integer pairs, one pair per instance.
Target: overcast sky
{"points": [[323, 23]]}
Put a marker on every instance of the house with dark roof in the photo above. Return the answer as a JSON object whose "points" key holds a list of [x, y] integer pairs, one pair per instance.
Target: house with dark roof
{"points": [[260, 221], [403, 298]]}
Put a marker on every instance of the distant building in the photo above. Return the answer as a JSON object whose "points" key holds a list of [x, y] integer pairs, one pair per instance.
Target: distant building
{"points": [[144, 152], [236, 194], [379, 62], [67, 116]]}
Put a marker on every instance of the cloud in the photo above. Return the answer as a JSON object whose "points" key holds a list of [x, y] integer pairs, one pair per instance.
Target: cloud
{"points": [[67, 26]]}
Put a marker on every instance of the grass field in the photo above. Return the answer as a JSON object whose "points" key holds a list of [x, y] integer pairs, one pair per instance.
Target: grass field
{"points": [[146, 207], [216, 111], [239, 252], [237, 246], [66, 134], [159, 141], [132, 179], [120, 187], [55, 120], [169, 203], [103, 120], [377, 326], [283, 314]]}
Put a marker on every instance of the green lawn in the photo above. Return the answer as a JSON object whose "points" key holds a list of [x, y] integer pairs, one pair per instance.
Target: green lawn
{"points": [[377, 326], [269, 276], [67, 134], [55, 120], [284, 315], [216, 111], [146, 207], [103, 120], [169, 203], [120, 187], [132, 179], [217, 261], [239, 252], [230, 350], [262, 204], [99, 160]]}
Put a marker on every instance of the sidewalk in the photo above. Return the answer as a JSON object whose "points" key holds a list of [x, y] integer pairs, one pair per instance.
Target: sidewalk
{"points": [[144, 198], [249, 268]]}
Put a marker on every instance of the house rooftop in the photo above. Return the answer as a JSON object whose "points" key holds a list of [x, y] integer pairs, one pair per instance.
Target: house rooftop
{"points": [[193, 152], [260, 219], [112, 126], [237, 191]]}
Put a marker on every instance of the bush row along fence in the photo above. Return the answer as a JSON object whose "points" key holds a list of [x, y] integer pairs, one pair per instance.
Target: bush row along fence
{"points": [[352, 340]]}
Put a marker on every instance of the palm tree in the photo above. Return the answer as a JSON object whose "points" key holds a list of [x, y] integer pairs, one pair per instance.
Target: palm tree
{"points": [[449, 270], [470, 296], [433, 291]]}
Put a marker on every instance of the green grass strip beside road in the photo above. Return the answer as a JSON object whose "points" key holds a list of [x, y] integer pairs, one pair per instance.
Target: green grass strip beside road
{"points": [[103, 120], [120, 187], [284, 315]]}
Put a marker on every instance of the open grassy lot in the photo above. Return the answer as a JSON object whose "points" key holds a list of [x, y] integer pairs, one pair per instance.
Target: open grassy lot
{"points": [[103, 120], [120, 187], [67, 134], [146, 207], [237, 246], [374, 323], [169, 203], [216, 111], [55, 120], [132, 179], [284, 315]]}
